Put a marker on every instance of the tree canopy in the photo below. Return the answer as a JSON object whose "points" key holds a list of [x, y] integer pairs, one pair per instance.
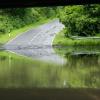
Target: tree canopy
{"points": [[14, 18], [81, 20]]}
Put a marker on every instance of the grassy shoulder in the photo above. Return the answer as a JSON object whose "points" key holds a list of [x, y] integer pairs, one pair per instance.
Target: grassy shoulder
{"points": [[8, 36], [61, 40]]}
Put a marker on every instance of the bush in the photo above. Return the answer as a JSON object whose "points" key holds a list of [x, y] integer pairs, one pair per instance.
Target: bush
{"points": [[15, 18], [81, 20]]}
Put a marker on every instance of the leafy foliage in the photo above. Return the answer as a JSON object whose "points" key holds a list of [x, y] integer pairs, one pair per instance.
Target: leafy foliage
{"points": [[81, 20], [15, 18]]}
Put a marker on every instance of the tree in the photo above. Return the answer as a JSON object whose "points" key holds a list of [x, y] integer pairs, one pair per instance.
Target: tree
{"points": [[81, 20]]}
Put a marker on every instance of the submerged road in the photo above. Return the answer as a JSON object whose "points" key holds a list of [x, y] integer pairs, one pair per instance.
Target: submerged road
{"points": [[37, 42]]}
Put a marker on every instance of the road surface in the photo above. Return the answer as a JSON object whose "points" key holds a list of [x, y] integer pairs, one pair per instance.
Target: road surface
{"points": [[37, 43]]}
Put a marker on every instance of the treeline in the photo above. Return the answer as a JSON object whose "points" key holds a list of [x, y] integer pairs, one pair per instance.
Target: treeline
{"points": [[15, 18], [81, 20]]}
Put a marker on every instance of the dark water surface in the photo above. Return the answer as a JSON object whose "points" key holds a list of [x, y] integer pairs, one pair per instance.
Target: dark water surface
{"points": [[81, 70], [78, 77]]}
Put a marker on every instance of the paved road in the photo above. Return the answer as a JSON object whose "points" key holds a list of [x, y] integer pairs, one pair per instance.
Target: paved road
{"points": [[37, 43]]}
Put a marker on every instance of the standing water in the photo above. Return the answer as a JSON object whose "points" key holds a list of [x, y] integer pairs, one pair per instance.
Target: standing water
{"points": [[81, 69]]}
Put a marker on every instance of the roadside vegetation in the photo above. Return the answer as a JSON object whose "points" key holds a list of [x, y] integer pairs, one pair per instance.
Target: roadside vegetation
{"points": [[62, 40], [80, 22], [8, 36], [17, 20]]}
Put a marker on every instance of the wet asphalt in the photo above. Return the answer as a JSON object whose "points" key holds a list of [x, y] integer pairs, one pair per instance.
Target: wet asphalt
{"points": [[37, 42]]}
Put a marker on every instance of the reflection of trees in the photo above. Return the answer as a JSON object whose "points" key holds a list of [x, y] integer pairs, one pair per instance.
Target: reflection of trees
{"points": [[26, 73], [82, 66], [79, 71], [85, 69], [86, 60], [2, 58], [92, 79]]}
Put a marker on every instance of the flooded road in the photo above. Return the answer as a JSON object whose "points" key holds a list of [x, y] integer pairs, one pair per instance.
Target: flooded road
{"points": [[79, 70], [37, 42], [30, 68]]}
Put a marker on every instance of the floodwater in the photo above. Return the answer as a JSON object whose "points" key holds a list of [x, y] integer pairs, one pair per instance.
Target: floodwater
{"points": [[81, 70]]}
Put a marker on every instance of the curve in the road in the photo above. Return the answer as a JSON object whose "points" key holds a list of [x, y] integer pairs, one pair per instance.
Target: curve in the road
{"points": [[37, 43]]}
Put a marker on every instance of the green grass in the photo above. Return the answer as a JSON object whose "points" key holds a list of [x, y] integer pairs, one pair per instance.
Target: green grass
{"points": [[5, 37], [61, 40]]}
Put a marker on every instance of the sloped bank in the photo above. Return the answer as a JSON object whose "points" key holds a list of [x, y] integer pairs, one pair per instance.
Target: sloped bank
{"points": [[61, 40]]}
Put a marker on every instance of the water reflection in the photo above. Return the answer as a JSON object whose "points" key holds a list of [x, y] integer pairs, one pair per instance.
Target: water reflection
{"points": [[80, 71], [42, 53], [85, 69]]}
